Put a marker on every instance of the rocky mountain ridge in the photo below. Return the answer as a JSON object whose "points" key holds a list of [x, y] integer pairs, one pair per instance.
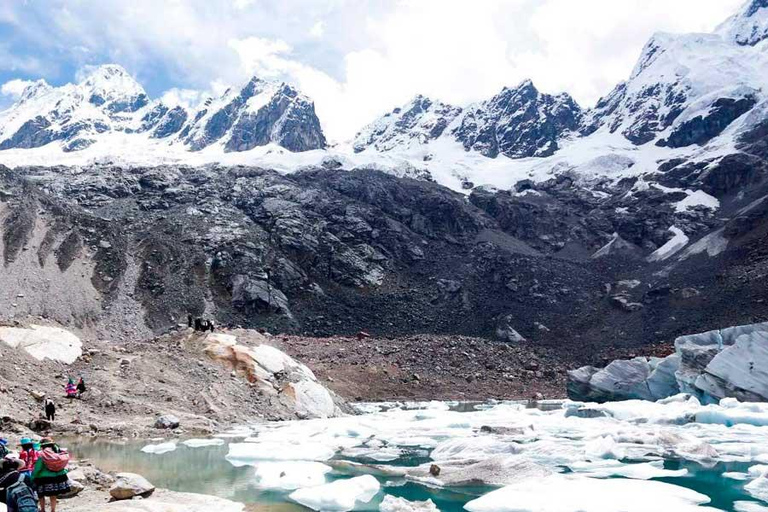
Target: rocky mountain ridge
{"points": [[108, 101]]}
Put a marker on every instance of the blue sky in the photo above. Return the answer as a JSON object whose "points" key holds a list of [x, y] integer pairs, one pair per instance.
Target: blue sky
{"points": [[356, 58]]}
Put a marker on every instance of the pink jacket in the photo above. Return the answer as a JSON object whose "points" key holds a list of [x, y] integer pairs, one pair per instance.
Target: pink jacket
{"points": [[30, 458]]}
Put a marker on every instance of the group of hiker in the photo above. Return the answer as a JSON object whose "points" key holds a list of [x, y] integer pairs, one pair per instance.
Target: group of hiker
{"points": [[38, 470], [72, 390], [200, 324]]}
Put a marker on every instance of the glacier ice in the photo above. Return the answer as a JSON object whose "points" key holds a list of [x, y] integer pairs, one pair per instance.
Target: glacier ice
{"points": [[341, 495], [570, 493], [290, 475]]}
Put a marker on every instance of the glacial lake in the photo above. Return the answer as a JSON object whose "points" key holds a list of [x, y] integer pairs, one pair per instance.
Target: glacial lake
{"points": [[674, 462]]}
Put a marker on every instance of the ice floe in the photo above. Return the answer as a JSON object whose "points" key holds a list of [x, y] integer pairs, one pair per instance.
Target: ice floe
{"points": [[341, 495]]}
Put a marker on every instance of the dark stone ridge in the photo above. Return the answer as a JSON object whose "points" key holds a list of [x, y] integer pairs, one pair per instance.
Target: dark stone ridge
{"points": [[519, 122]]}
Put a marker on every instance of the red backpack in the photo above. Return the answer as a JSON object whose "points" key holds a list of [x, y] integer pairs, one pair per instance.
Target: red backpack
{"points": [[54, 461]]}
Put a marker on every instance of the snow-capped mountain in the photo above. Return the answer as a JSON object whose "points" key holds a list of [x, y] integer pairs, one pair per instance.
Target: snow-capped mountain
{"points": [[517, 122], [749, 26], [109, 101], [418, 122]]}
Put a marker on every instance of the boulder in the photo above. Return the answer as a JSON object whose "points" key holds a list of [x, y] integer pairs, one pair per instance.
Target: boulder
{"points": [[130, 485], [275, 373], [167, 421], [505, 331]]}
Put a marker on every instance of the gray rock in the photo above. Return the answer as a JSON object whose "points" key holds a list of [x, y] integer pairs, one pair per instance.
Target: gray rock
{"points": [[167, 421], [505, 331], [130, 485]]}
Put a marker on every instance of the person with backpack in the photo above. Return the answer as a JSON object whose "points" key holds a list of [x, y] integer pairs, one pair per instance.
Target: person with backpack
{"points": [[50, 410], [49, 477], [15, 487], [28, 454]]}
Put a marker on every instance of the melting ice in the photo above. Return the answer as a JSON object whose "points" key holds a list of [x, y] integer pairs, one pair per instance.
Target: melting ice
{"points": [[627, 456]]}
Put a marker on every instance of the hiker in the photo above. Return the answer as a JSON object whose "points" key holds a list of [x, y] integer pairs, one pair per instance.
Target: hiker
{"points": [[210, 325], [50, 410], [28, 454], [70, 388], [15, 487], [80, 387], [49, 477], [4, 451], [189, 320]]}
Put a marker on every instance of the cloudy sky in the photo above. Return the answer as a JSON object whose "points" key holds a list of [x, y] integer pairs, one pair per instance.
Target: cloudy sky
{"points": [[356, 58]]}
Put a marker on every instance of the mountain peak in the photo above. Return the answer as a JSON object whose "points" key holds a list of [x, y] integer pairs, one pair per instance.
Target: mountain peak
{"points": [[34, 90], [109, 82], [749, 26]]}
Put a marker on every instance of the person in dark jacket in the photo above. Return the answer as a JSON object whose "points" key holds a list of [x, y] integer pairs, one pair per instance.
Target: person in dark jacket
{"points": [[50, 410], [80, 387]]}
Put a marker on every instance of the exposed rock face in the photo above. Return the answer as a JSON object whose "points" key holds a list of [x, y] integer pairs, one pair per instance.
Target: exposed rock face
{"points": [[274, 373], [518, 122], [727, 363]]}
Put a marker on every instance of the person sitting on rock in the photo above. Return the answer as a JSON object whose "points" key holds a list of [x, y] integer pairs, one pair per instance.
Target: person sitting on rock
{"points": [[71, 389], [80, 387], [28, 454], [50, 410], [49, 478]]}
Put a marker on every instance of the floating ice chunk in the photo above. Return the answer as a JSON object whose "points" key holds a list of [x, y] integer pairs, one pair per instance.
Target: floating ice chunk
{"points": [[201, 443], [393, 504], [758, 488], [382, 454], [749, 506], [604, 448], [642, 471], [234, 433], [473, 448], [247, 454], [290, 475], [158, 449], [341, 495], [496, 471], [561, 493], [734, 475]]}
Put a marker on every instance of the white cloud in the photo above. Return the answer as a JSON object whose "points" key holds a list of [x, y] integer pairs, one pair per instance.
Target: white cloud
{"points": [[317, 30], [187, 98], [15, 87]]}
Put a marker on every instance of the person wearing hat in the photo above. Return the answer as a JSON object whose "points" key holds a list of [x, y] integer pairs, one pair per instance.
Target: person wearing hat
{"points": [[10, 473], [28, 454], [49, 478], [4, 451]]}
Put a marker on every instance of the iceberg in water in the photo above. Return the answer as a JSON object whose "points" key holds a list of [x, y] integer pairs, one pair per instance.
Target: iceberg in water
{"points": [[339, 496]]}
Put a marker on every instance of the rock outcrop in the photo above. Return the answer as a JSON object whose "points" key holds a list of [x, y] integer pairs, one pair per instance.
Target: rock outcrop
{"points": [[274, 373], [726, 363]]}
